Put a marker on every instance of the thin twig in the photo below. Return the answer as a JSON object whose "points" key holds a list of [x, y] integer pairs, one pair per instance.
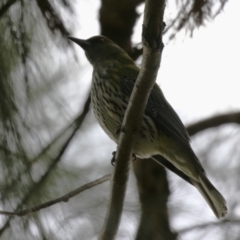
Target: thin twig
{"points": [[75, 124], [209, 224], [64, 198], [37, 185]]}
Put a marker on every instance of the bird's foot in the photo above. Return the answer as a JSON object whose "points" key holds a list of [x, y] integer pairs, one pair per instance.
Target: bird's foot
{"points": [[113, 160]]}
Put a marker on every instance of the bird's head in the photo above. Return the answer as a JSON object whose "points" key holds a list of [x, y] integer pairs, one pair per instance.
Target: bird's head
{"points": [[99, 48]]}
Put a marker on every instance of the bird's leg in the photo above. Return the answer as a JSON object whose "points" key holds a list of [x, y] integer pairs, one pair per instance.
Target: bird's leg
{"points": [[113, 160]]}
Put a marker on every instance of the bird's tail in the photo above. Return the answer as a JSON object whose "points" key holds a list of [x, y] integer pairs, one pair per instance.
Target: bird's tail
{"points": [[213, 197]]}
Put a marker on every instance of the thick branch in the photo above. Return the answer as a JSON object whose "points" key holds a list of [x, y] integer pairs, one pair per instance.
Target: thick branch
{"points": [[117, 20], [153, 192], [152, 40], [214, 122]]}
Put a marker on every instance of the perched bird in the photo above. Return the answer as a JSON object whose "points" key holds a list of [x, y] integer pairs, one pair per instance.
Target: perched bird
{"points": [[163, 136]]}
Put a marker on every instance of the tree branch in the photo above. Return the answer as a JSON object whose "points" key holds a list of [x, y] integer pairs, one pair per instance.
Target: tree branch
{"points": [[213, 122], [117, 20], [64, 198], [152, 49], [153, 191]]}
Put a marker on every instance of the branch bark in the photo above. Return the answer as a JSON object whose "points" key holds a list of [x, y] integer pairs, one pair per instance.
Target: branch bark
{"points": [[154, 192], [117, 20], [215, 121], [152, 50]]}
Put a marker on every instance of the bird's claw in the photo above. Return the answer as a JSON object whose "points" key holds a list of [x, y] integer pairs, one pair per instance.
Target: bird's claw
{"points": [[113, 160]]}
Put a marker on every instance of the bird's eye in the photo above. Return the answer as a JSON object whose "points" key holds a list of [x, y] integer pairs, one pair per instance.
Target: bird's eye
{"points": [[101, 40]]}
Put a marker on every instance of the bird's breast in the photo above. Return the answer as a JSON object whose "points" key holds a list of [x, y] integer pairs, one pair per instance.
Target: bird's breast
{"points": [[107, 105]]}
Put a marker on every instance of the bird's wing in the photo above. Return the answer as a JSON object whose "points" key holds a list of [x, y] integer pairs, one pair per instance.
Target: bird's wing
{"points": [[160, 110], [165, 163], [164, 116], [167, 119]]}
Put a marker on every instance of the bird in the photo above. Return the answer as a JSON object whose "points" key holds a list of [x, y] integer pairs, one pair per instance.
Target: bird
{"points": [[162, 135]]}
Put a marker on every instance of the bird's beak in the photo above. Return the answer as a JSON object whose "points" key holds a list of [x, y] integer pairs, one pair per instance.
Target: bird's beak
{"points": [[81, 42]]}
